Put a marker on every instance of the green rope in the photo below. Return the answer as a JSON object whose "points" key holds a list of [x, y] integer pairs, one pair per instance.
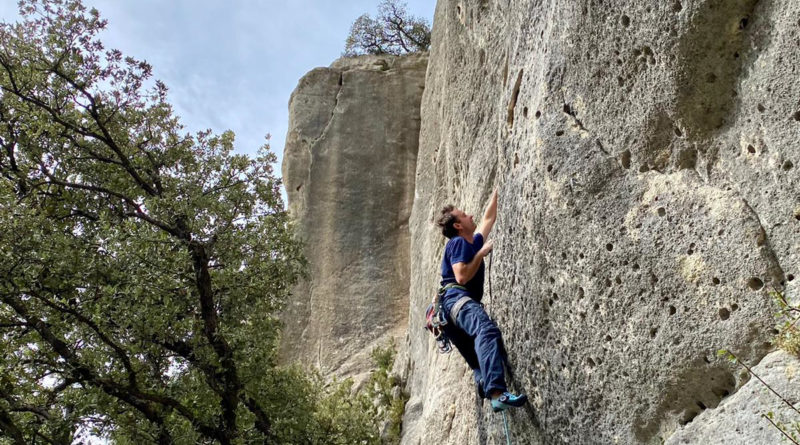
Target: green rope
{"points": [[505, 425]]}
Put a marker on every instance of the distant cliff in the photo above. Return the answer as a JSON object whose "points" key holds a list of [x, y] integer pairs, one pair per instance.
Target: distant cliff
{"points": [[646, 155], [348, 168]]}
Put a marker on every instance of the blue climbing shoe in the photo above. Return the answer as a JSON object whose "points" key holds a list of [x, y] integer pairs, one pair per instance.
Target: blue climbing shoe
{"points": [[508, 400]]}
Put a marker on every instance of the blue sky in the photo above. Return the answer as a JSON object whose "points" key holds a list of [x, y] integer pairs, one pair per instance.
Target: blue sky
{"points": [[233, 64]]}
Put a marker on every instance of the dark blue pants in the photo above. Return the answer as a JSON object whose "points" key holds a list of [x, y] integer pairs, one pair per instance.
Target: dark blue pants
{"points": [[479, 341]]}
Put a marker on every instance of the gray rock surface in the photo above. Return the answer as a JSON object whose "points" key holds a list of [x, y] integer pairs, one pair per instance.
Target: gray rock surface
{"points": [[348, 168], [739, 419], [647, 159]]}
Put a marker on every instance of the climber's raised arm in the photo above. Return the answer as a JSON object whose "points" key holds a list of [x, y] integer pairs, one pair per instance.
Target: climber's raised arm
{"points": [[489, 216]]}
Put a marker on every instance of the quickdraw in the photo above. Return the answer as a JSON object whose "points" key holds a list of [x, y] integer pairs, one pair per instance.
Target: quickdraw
{"points": [[435, 319], [435, 322]]}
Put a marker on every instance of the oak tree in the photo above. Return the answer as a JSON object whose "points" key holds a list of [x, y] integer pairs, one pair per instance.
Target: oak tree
{"points": [[141, 267]]}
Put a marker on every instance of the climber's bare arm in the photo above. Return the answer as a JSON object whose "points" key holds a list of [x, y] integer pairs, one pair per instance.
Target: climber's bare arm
{"points": [[489, 216]]}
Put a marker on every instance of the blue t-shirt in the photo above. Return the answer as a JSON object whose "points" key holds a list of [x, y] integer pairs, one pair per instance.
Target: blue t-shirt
{"points": [[458, 250]]}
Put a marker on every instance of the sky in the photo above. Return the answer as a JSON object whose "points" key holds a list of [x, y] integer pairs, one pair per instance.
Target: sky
{"points": [[232, 64]]}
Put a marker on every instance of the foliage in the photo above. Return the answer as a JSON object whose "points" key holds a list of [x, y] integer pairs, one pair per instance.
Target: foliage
{"points": [[141, 268], [392, 31], [788, 339], [386, 392]]}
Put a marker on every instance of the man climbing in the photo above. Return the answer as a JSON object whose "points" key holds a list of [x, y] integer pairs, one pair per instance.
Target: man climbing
{"points": [[469, 327]]}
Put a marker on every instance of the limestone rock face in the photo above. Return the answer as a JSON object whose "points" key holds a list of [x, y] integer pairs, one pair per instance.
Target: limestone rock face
{"points": [[646, 155], [348, 168], [739, 420]]}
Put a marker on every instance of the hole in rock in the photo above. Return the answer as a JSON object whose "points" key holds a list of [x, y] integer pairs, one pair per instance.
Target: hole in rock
{"points": [[701, 405], [608, 338], [516, 159], [672, 310], [734, 307], [525, 111], [688, 417], [590, 362], [761, 108], [678, 132], [538, 114], [661, 211], [724, 313], [550, 168], [625, 20], [625, 158], [790, 277], [677, 6], [751, 149], [787, 165], [608, 282], [597, 306], [581, 293], [755, 283], [618, 280], [653, 332], [609, 247], [643, 168], [715, 281], [743, 23], [774, 331], [560, 133]]}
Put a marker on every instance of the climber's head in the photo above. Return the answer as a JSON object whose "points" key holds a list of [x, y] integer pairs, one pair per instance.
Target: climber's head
{"points": [[455, 222]]}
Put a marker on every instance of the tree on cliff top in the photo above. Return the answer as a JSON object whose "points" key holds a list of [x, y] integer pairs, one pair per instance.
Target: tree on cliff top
{"points": [[141, 267], [393, 31]]}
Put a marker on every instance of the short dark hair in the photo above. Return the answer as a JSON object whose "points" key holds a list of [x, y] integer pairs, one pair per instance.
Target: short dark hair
{"points": [[446, 221]]}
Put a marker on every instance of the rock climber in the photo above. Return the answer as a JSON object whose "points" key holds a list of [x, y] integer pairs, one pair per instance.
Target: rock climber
{"points": [[469, 327]]}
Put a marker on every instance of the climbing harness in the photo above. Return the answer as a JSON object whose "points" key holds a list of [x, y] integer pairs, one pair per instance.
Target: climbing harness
{"points": [[435, 323], [435, 319]]}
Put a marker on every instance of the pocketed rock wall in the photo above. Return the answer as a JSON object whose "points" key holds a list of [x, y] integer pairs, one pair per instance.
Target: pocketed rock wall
{"points": [[647, 157], [348, 169]]}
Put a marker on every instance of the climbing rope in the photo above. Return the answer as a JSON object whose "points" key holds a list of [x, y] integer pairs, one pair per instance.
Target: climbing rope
{"points": [[505, 426], [489, 279]]}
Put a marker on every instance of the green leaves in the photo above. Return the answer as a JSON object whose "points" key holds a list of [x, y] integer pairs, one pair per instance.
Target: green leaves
{"points": [[392, 31], [141, 268]]}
